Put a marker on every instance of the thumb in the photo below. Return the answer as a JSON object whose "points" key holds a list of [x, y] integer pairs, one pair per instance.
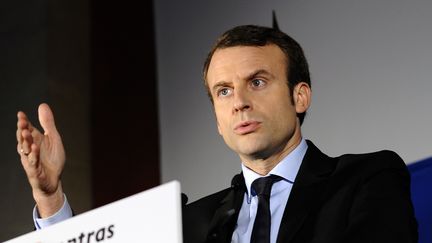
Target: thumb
{"points": [[46, 119]]}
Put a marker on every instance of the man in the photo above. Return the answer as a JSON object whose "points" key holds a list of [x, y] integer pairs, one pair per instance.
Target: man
{"points": [[289, 191]]}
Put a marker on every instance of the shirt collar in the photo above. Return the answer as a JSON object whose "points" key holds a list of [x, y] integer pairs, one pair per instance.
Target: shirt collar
{"points": [[287, 168]]}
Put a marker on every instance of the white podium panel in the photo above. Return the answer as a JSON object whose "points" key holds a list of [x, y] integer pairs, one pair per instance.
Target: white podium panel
{"points": [[152, 216]]}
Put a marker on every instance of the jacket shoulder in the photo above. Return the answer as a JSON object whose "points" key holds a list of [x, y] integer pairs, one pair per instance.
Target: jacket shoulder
{"points": [[384, 159]]}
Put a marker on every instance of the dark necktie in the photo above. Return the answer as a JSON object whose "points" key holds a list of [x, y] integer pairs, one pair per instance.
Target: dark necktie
{"points": [[261, 229]]}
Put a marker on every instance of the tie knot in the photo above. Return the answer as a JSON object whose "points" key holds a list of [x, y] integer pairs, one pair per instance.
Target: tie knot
{"points": [[263, 185]]}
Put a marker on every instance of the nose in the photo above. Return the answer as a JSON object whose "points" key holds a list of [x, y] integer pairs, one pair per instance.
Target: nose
{"points": [[241, 101]]}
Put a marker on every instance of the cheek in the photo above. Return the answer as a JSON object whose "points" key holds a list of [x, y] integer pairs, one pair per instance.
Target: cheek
{"points": [[283, 113], [221, 120]]}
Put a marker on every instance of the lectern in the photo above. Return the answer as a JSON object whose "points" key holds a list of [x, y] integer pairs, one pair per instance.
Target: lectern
{"points": [[151, 216]]}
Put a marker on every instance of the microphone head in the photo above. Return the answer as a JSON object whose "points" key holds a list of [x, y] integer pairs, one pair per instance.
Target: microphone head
{"points": [[237, 181], [184, 199]]}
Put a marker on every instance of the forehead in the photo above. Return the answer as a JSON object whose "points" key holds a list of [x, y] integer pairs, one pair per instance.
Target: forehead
{"points": [[240, 61]]}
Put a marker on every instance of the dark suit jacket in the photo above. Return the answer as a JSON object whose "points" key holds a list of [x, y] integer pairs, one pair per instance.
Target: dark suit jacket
{"points": [[361, 198]]}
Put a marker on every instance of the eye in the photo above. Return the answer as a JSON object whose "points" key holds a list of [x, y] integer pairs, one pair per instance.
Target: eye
{"points": [[257, 83], [223, 92]]}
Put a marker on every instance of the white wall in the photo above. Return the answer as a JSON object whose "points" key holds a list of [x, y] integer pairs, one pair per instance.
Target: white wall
{"points": [[371, 66]]}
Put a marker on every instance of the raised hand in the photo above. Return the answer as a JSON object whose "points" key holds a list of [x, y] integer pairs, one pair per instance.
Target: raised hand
{"points": [[43, 159]]}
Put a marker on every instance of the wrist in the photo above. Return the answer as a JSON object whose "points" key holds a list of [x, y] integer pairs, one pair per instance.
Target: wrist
{"points": [[48, 204]]}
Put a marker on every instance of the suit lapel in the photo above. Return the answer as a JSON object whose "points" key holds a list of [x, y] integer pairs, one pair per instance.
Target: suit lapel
{"points": [[225, 218], [308, 189]]}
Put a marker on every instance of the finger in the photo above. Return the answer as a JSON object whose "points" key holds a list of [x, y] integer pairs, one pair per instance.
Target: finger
{"points": [[33, 157], [25, 139], [22, 123], [19, 139], [27, 142], [20, 149], [30, 164], [18, 135], [46, 119], [21, 115]]}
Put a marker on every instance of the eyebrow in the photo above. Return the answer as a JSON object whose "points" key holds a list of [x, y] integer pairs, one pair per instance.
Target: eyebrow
{"points": [[258, 73], [248, 77], [220, 84]]}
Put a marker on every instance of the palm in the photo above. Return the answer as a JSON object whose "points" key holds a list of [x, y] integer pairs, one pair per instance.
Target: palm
{"points": [[51, 164]]}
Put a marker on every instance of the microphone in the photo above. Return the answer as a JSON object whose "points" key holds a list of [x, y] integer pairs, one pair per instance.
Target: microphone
{"points": [[184, 199], [237, 182]]}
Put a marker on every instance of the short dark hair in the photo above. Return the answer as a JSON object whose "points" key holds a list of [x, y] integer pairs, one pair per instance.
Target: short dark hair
{"points": [[252, 35]]}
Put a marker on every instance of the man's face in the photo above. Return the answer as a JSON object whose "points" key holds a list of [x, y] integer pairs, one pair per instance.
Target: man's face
{"points": [[254, 110]]}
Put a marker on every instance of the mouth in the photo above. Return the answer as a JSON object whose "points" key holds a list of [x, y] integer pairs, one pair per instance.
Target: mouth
{"points": [[246, 127]]}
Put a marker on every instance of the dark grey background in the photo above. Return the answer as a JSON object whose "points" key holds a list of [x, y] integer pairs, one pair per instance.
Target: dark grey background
{"points": [[371, 67], [43, 58]]}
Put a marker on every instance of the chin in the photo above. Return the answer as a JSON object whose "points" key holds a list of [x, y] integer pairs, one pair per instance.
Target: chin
{"points": [[255, 151]]}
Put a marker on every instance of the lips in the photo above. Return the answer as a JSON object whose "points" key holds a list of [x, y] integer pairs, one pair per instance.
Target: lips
{"points": [[246, 127]]}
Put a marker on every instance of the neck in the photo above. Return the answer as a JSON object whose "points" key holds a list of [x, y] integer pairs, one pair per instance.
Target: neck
{"points": [[263, 166]]}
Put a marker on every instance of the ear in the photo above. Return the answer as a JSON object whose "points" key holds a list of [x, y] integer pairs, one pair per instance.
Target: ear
{"points": [[302, 96]]}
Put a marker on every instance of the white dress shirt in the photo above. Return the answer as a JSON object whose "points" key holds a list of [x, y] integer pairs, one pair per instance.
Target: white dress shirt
{"points": [[287, 169], [64, 213]]}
